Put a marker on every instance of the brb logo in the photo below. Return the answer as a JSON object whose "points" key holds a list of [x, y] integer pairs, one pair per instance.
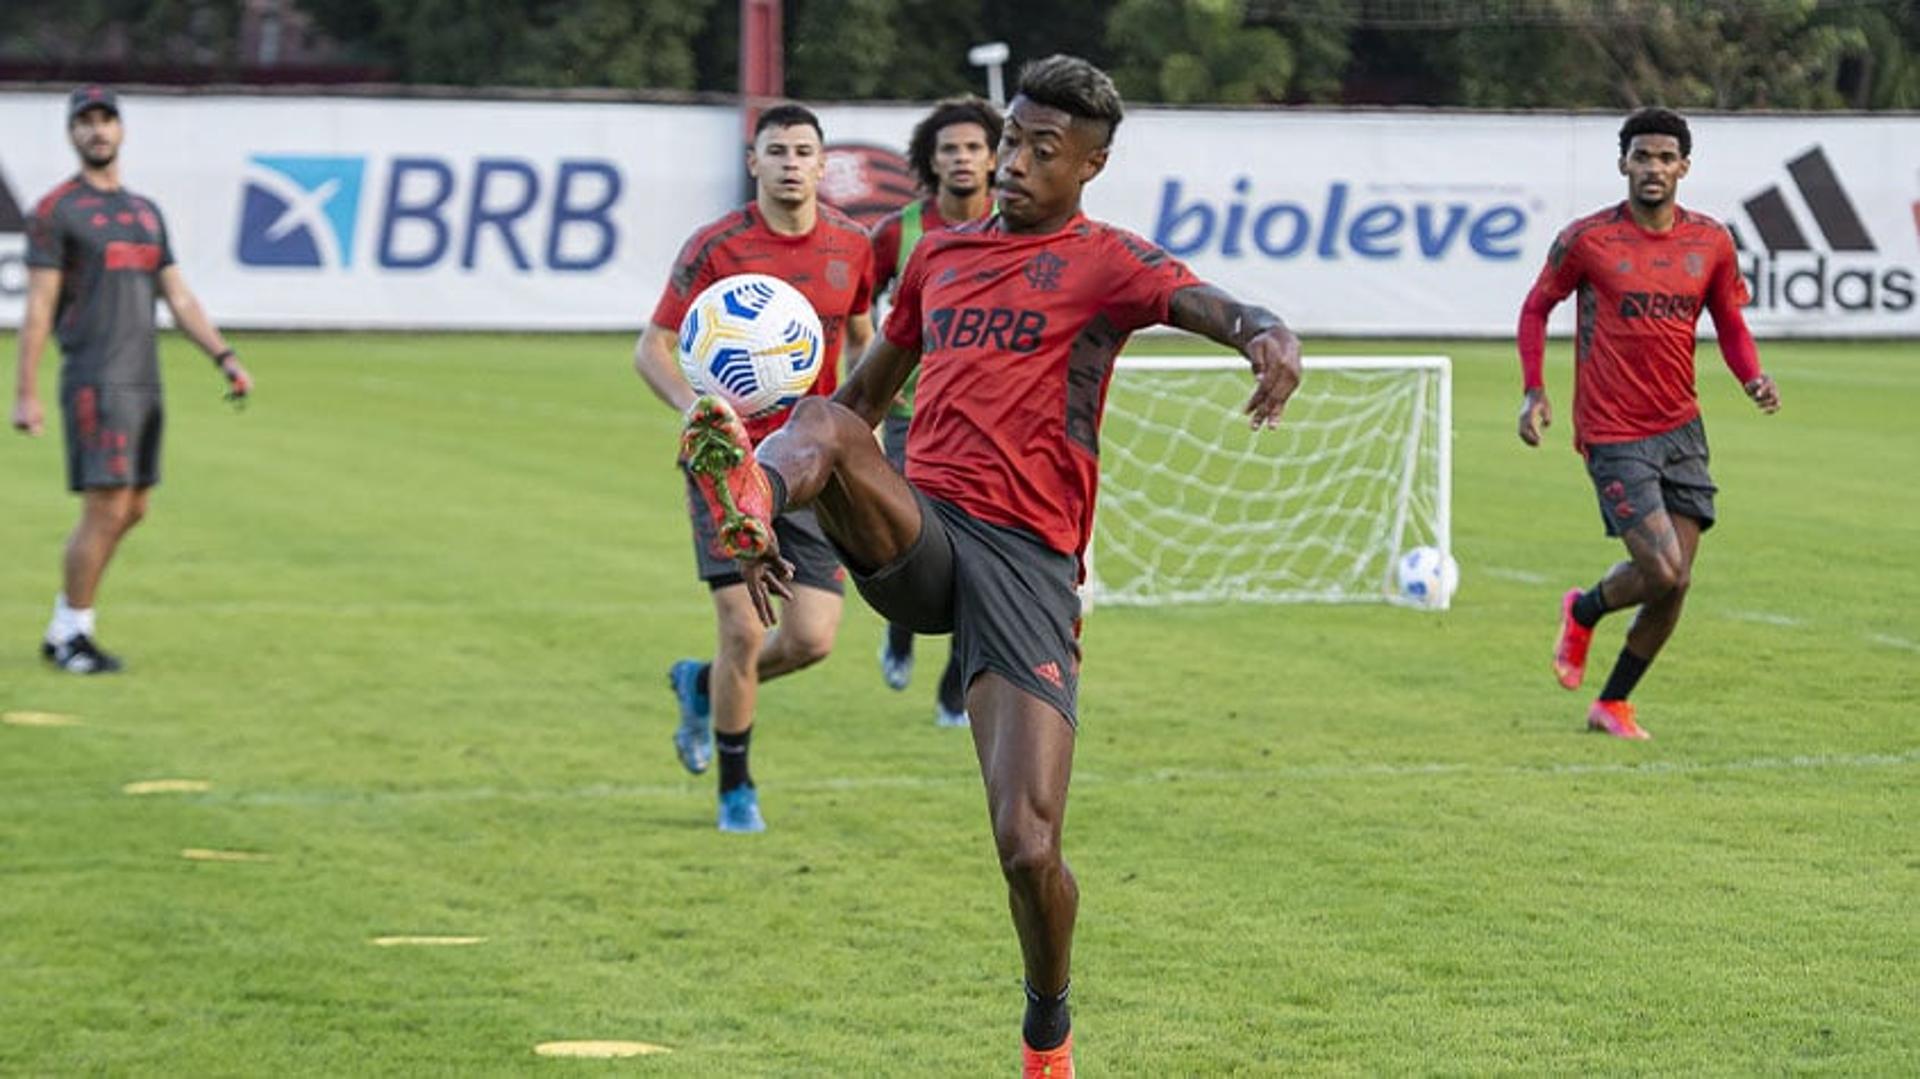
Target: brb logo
{"points": [[1336, 225], [305, 212]]}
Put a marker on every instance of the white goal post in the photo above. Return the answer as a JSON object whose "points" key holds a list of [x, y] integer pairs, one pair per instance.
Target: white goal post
{"points": [[1195, 507]]}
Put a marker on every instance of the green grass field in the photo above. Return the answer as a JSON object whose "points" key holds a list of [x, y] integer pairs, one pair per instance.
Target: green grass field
{"points": [[410, 614]]}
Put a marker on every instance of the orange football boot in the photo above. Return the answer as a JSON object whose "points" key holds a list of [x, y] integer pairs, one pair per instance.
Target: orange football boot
{"points": [[1615, 718], [1570, 651], [1055, 1063], [716, 452]]}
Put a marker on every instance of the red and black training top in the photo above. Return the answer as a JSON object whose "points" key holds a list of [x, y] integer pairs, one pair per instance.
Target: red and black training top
{"points": [[109, 247]]}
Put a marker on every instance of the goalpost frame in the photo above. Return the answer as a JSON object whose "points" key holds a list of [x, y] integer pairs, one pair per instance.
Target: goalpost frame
{"points": [[1443, 420]]}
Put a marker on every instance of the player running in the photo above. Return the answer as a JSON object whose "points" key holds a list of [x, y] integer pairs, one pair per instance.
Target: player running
{"points": [[1016, 322], [787, 233], [1644, 270], [97, 254], [951, 155]]}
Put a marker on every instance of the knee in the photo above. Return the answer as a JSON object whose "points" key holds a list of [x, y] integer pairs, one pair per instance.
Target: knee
{"points": [[827, 421], [1669, 578], [1029, 851], [136, 512], [810, 647], [740, 640]]}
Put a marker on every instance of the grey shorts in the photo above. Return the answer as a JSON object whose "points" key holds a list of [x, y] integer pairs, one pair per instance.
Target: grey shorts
{"points": [[1007, 598], [893, 440], [113, 435], [815, 562], [1632, 479]]}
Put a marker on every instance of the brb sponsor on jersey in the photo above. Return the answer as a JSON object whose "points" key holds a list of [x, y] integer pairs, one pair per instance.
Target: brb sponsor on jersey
{"points": [[412, 213]]}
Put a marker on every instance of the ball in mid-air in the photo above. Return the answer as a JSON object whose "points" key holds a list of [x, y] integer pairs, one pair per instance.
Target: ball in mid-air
{"points": [[754, 340], [1427, 576]]}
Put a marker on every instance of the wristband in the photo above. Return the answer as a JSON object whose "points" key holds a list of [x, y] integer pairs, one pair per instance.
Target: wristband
{"points": [[223, 357]]}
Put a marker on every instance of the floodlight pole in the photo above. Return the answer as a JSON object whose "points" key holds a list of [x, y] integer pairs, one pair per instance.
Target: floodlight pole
{"points": [[990, 56]]}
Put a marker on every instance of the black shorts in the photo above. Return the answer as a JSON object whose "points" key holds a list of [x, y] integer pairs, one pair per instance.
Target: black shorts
{"points": [[893, 440], [113, 435], [1007, 598], [815, 564], [1632, 479]]}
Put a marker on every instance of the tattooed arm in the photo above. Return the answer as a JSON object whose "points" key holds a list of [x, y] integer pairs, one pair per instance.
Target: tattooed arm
{"points": [[1257, 333]]}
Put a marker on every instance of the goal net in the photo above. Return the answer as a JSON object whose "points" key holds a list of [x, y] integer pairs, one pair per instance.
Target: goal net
{"points": [[1197, 508]]}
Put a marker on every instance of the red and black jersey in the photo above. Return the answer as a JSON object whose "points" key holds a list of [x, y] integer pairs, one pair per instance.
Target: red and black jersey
{"points": [[1017, 334], [109, 247], [832, 266], [1640, 298]]}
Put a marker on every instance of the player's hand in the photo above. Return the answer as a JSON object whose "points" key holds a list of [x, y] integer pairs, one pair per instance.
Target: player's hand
{"points": [[28, 418], [1536, 415], [1764, 394], [1275, 356], [239, 382], [767, 576]]}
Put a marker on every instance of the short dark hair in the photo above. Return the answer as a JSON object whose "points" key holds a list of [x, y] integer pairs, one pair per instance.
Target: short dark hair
{"points": [[1654, 120], [1075, 87], [788, 115], [945, 114]]}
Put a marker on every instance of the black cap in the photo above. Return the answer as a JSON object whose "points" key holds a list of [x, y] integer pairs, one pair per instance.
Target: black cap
{"points": [[92, 97]]}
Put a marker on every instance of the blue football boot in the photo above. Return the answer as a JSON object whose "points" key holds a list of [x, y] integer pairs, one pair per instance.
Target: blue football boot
{"points": [[693, 740], [740, 811]]}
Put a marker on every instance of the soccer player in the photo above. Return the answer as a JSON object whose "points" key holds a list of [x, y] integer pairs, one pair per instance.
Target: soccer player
{"points": [[786, 232], [1644, 268], [951, 155], [1016, 322], [97, 254]]}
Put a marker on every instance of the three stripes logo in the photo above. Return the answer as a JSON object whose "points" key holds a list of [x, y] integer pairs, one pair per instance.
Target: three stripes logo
{"points": [[13, 242], [1842, 273]]}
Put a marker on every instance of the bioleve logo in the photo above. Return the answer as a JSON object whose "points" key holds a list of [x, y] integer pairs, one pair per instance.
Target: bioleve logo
{"points": [[1392, 224], [300, 211], [1789, 272]]}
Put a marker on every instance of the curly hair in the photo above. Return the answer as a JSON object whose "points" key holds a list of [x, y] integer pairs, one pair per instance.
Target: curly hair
{"points": [[1654, 120], [946, 113], [1075, 87]]}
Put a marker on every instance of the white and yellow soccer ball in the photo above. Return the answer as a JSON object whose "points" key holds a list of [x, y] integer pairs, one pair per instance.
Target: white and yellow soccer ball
{"points": [[1427, 577], [754, 340]]}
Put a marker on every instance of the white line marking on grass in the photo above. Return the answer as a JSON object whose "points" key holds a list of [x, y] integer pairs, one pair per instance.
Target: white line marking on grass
{"points": [[424, 942], [1894, 642], [1508, 573], [167, 786], [39, 719], [1766, 618], [1301, 773], [598, 1050], [201, 854]]}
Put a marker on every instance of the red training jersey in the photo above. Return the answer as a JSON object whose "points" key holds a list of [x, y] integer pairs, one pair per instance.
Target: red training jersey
{"points": [[832, 266], [1017, 334], [1640, 298]]}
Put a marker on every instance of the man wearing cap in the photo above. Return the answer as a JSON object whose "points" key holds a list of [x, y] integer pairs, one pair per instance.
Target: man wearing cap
{"points": [[97, 254]]}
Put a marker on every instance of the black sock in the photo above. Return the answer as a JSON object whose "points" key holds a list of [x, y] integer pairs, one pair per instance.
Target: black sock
{"points": [[953, 696], [700, 680], [899, 641], [733, 759], [779, 485], [1590, 606], [1047, 1020], [1626, 674]]}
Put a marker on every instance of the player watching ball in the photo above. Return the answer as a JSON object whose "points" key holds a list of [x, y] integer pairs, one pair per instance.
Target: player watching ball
{"points": [[1645, 269], [1015, 322]]}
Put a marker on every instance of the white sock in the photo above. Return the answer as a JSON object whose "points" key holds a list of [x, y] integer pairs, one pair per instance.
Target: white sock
{"points": [[83, 620], [60, 626]]}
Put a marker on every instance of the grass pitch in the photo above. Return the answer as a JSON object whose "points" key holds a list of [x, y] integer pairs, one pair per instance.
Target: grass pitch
{"points": [[409, 618]]}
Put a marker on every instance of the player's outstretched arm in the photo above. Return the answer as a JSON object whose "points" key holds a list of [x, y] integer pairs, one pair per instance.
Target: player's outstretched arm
{"points": [[193, 321], [1257, 333], [43, 293], [882, 370]]}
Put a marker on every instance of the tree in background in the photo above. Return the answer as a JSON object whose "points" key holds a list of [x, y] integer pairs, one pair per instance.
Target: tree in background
{"points": [[1192, 51]]}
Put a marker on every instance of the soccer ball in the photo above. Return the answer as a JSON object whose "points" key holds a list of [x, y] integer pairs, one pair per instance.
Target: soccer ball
{"points": [[752, 339], [1427, 576]]}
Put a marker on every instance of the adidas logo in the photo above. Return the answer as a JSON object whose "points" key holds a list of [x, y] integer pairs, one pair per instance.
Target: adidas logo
{"points": [[13, 256], [1788, 272], [1050, 673]]}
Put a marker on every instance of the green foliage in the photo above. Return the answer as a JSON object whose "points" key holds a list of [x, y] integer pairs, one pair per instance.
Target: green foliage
{"points": [[1195, 51]]}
